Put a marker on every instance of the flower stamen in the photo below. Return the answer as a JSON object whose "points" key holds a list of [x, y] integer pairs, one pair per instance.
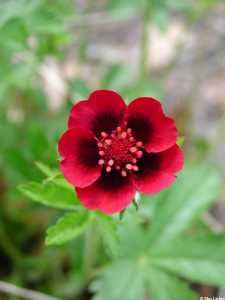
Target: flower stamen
{"points": [[123, 173], [119, 151], [111, 162], [133, 149], [108, 169], [101, 162]]}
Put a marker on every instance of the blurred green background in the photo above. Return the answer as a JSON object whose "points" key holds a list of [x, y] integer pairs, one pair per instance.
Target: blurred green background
{"points": [[52, 54]]}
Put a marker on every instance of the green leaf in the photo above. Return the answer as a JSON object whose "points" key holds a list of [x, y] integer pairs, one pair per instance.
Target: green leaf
{"points": [[109, 235], [46, 170], [200, 258], [50, 194], [16, 8], [180, 140], [67, 228], [123, 280], [133, 240], [194, 191], [164, 286]]}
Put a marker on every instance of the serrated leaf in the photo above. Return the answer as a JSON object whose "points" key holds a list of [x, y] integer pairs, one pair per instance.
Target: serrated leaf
{"points": [[67, 228], [50, 194], [133, 239], [200, 258], [123, 280], [194, 191], [165, 286]]}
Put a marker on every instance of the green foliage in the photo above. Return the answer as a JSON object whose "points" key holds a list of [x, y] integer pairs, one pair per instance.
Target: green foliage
{"points": [[20, 22], [199, 258], [122, 279], [141, 254], [68, 227], [158, 252], [46, 170], [180, 140], [192, 194], [51, 194], [107, 227], [53, 191], [166, 286]]}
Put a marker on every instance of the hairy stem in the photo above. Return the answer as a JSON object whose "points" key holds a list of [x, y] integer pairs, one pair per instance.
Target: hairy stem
{"points": [[90, 250]]}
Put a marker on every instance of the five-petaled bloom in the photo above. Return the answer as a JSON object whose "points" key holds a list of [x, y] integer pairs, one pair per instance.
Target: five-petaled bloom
{"points": [[111, 150]]}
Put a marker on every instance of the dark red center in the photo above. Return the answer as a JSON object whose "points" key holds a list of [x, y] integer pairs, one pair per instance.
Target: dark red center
{"points": [[119, 150]]}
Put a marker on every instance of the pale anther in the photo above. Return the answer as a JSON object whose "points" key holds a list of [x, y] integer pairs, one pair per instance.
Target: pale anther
{"points": [[108, 169], [129, 166], [139, 144], [129, 130], [111, 162], [135, 168], [101, 162], [123, 173], [134, 160], [139, 154], [108, 141], [104, 134], [123, 135], [133, 149]]}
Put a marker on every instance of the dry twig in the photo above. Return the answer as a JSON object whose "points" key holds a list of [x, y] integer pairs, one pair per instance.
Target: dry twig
{"points": [[23, 293]]}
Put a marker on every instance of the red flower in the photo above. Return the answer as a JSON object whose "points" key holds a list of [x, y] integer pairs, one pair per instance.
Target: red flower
{"points": [[110, 150]]}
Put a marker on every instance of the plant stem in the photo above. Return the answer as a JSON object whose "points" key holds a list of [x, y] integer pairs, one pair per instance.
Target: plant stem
{"points": [[9, 288], [144, 44], [90, 249]]}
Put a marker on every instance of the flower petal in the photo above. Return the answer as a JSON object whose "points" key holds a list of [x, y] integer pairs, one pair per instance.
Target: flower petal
{"points": [[157, 170], [103, 111], [149, 124], [111, 193], [80, 156]]}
